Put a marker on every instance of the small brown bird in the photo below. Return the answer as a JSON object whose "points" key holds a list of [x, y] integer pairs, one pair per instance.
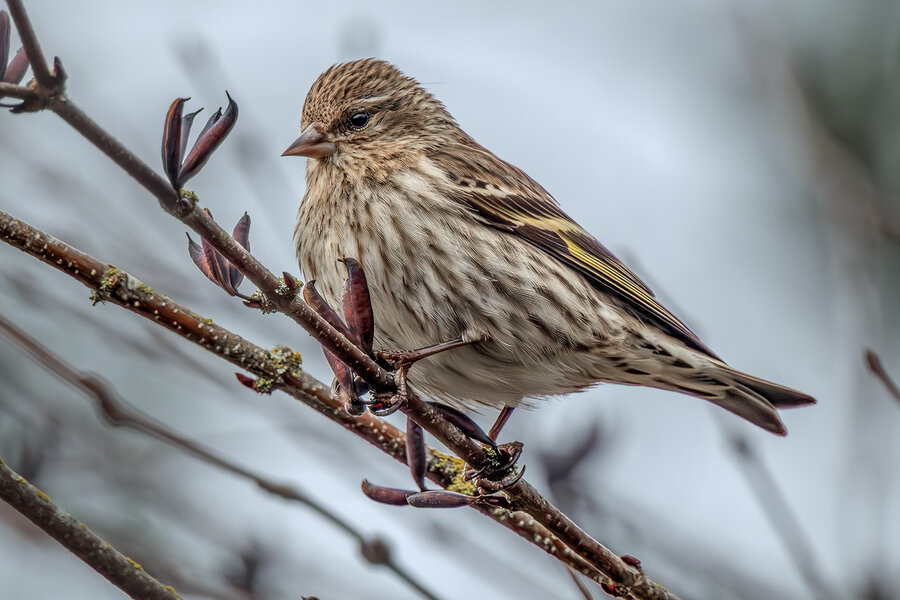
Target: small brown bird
{"points": [[456, 242]]}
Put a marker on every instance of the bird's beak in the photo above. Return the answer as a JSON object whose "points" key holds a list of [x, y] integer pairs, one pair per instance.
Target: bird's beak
{"points": [[312, 143]]}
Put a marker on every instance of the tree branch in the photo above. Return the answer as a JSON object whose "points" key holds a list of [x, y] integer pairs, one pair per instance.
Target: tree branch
{"points": [[118, 412], [16, 91], [121, 571], [274, 369]]}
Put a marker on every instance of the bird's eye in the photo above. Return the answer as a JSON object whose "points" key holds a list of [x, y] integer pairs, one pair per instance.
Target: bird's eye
{"points": [[359, 120]]}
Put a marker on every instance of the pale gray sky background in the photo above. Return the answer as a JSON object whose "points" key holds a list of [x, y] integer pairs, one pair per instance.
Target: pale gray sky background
{"points": [[741, 156]]}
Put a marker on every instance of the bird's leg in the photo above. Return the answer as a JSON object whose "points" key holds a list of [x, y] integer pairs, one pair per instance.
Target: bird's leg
{"points": [[401, 362], [502, 418], [409, 357]]}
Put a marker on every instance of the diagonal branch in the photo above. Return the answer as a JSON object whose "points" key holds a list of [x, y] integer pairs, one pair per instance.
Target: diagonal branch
{"points": [[121, 571], [274, 369], [118, 412]]}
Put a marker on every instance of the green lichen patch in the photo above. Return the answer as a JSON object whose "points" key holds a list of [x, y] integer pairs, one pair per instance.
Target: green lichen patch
{"points": [[190, 196], [285, 361], [110, 280], [453, 468], [134, 564]]}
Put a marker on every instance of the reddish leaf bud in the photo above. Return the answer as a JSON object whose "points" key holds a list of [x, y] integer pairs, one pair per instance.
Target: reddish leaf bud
{"points": [[246, 381], [416, 458], [17, 68], [463, 422], [385, 495], [213, 134], [440, 499], [316, 302], [171, 142], [4, 42], [358, 305]]}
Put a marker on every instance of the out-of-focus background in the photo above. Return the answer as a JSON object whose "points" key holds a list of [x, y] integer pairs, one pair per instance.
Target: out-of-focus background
{"points": [[742, 156]]}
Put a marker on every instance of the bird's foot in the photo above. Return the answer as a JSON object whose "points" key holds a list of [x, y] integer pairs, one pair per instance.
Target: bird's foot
{"points": [[501, 473], [407, 358]]}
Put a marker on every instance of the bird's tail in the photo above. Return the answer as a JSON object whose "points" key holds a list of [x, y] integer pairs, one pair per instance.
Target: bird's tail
{"points": [[756, 399]]}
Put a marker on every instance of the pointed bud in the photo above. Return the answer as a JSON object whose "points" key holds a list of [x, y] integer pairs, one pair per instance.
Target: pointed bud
{"points": [[199, 258], [416, 458], [463, 422], [186, 122], [246, 381], [213, 134], [17, 68], [316, 302], [440, 499], [4, 42], [171, 142], [291, 282], [241, 235], [357, 305], [385, 495]]}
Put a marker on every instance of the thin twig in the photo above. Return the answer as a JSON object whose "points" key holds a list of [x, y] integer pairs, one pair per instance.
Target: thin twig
{"points": [[16, 91], [32, 47], [121, 571], [118, 287], [874, 363], [582, 588], [120, 413]]}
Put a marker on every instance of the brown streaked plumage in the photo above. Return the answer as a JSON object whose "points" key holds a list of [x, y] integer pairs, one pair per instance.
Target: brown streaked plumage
{"points": [[457, 242]]}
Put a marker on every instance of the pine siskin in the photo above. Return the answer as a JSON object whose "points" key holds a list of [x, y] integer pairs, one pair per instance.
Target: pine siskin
{"points": [[457, 242]]}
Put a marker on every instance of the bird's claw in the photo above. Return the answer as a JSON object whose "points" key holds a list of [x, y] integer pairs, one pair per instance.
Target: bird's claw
{"points": [[383, 405], [491, 486], [502, 473]]}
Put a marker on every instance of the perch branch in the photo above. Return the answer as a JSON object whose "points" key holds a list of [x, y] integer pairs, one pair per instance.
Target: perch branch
{"points": [[118, 287]]}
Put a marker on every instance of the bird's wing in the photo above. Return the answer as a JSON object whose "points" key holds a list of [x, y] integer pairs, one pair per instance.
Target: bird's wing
{"points": [[506, 198]]}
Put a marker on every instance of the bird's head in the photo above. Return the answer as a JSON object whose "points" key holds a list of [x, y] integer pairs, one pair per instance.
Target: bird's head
{"points": [[367, 110]]}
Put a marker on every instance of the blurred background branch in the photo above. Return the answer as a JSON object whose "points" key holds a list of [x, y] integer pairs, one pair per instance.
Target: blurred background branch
{"points": [[120, 570]]}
